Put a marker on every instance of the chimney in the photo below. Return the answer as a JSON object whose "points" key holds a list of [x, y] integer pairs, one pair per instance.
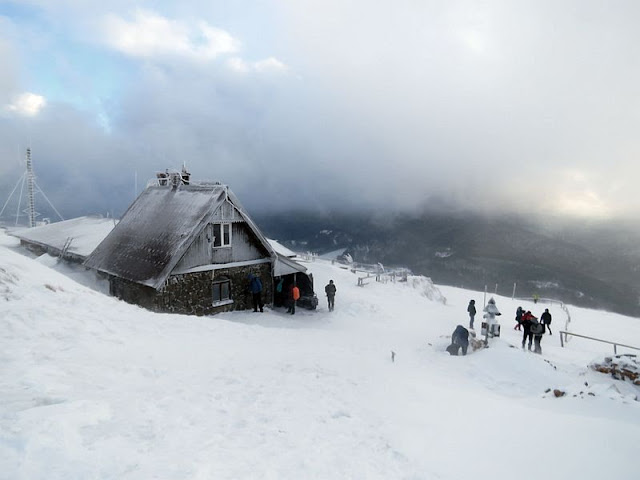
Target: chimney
{"points": [[185, 175]]}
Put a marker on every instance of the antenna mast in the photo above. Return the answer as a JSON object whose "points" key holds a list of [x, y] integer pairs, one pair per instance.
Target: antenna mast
{"points": [[29, 178], [31, 181]]}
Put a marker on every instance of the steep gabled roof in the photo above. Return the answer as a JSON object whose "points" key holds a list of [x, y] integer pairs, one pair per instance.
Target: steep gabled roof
{"points": [[243, 213], [157, 230]]}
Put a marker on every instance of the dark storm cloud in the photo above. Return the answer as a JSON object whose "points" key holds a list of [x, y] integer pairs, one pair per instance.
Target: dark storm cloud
{"points": [[528, 106]]}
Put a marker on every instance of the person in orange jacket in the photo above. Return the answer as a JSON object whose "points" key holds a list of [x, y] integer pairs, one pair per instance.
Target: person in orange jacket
{"points": [[294, 295]]}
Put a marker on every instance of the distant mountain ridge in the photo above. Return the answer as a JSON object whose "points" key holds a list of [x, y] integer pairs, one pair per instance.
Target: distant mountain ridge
{"points": [[596, 266]]}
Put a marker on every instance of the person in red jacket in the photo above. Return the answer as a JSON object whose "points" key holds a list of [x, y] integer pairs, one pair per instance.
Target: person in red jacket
{"points": [[527, 321]]}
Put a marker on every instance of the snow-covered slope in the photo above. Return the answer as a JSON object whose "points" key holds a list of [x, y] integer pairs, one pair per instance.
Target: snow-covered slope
{"points": [[91, 387]]}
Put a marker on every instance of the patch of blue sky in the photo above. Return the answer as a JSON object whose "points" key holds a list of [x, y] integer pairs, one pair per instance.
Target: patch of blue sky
{"points": [[19, 11], [79, 74], [85, 77], [56, 64]]}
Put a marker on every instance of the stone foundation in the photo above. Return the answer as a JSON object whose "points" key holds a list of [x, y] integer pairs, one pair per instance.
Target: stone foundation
{"points": [[192, 294]]}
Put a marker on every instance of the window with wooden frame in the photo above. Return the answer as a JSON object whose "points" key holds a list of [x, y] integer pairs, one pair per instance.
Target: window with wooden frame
{"points": [[221, 291], [221, 235]]}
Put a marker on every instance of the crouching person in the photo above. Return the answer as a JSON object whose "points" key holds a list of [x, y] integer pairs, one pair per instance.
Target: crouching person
{"points": [[459, 339]]}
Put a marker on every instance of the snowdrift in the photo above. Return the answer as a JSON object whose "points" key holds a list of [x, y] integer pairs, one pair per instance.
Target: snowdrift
{"points": [[95, 388]]}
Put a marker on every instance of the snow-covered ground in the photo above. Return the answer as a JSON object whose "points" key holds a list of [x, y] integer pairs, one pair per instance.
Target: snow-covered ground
{"points": [[94, 388]]}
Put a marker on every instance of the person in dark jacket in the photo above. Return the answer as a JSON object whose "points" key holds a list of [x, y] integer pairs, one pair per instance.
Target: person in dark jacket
{"points": [[280, 295], [519, 313], [460, 339], [472, 312], [527, 321], [330, 290], [545, 318], [255, 287], [537, 330]]}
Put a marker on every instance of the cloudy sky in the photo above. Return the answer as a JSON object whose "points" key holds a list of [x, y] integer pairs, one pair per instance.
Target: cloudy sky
{"points": [[530, 106]]}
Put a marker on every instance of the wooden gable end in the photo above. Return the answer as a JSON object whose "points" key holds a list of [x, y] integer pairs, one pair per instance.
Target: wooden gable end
{"points": [[243, 243]]}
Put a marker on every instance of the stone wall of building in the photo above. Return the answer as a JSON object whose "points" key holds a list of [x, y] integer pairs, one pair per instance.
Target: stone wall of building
{"points": [[242, 299], [135, 293], [192, 294]]}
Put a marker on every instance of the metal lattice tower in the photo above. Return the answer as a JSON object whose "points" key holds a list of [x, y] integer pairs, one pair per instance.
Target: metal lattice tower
{"points": [[29, 178], [31, 182]]}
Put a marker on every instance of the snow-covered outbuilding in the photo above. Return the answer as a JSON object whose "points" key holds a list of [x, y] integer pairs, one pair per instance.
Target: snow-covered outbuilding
{"points": [[72, 240], [189, 248]]}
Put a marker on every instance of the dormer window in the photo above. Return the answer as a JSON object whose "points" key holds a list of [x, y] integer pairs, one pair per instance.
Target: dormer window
{"points": [[221, 235]]}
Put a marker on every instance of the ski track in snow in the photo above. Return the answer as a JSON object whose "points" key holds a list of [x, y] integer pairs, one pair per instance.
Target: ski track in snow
{"points": [[95, 388]]}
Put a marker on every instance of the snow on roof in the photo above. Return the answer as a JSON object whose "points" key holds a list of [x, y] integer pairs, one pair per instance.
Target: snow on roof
{"points": [[155, 232], [285, 266], [158, 228], [281, 249], [85, 233]]}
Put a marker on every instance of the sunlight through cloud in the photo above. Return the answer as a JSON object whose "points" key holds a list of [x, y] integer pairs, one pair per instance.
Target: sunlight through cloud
{"points": [[27, 104]]}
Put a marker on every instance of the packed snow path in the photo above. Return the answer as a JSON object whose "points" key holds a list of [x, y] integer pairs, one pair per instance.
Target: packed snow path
{"points": [[95, 388]]}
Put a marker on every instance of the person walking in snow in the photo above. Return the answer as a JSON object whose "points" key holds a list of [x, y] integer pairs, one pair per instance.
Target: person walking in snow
{"points": [[545, 318], [472, 312], [459, 339], [519, 313], [537, 330], [491, 312], [255, 287], [527, 322], [330, 290]]}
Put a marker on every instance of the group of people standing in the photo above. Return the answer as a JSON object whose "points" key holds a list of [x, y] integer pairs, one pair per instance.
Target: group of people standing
{"points": [[491, 312], [292, 296], [532, 329], [521, 316]]}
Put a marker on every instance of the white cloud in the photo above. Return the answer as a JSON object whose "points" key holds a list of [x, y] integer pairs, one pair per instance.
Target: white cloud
{"points": [[28, 104], [151, 35], [239, 65], [268, 65]]}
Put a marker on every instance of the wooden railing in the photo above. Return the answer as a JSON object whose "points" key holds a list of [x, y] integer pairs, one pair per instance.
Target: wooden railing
{"points": [[615, 344]]}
